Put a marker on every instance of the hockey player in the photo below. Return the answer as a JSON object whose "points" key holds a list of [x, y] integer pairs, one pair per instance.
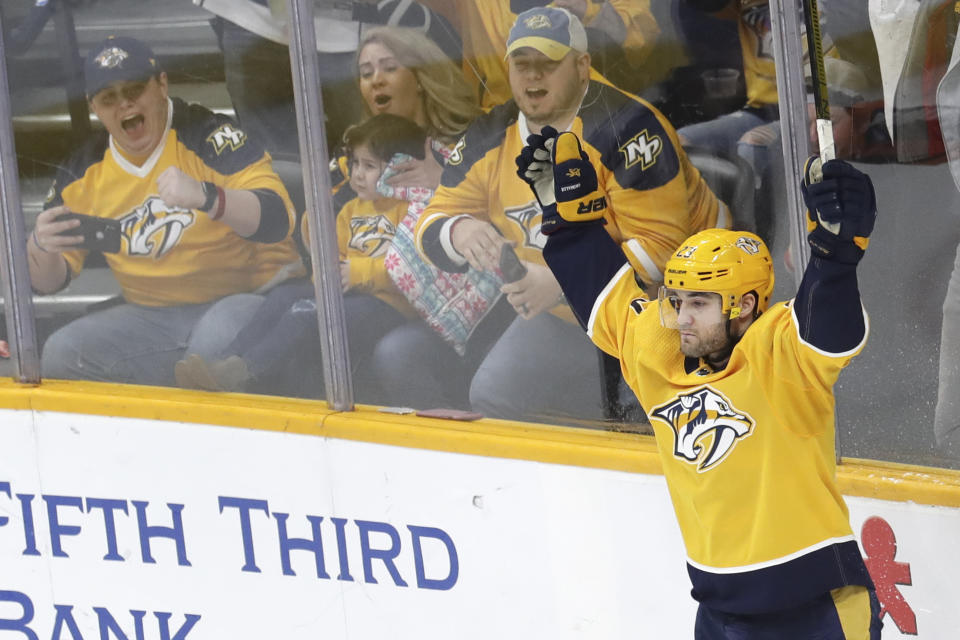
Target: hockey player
{"points": [[739, 393], [481, 204], [201, 214]]}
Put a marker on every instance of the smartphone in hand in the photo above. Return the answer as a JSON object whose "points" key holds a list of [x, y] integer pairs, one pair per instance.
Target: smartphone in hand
{"points": [[510, 265], [99, 234]]}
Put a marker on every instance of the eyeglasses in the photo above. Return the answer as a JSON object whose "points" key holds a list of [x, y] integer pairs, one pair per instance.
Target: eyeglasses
{"points": [[112, 96]]}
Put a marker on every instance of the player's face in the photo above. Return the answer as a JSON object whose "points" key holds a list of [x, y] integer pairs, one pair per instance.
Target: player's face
{"points": [[134, 113], [548, 91], [387, 86], [700, 321], [365, 170]]}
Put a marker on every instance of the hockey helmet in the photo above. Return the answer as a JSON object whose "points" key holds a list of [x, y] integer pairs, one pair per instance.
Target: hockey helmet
{"points": [[729, 263]]}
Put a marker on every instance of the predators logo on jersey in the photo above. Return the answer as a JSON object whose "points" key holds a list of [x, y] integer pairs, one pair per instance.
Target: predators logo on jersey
{"points": [[706, 427], [528, 218], [154, 228], [371, 235]]}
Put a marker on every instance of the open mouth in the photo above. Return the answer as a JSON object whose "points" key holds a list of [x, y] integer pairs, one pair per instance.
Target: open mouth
{"points": [[536, 93], [381, 100], [131, 123]]}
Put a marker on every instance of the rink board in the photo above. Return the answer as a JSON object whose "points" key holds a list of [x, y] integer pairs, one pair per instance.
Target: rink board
{"points": [[137, 513]]}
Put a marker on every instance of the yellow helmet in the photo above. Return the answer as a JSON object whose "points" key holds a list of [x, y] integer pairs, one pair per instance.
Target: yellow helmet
{"points": [[730, 263]]}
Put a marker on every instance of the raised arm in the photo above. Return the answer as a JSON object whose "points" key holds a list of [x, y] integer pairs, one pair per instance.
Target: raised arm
{"points": [[579, 251], [841, 211]]}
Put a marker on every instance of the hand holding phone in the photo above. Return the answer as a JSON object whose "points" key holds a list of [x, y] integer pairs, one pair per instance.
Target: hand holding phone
{"points": [[510, 266], [99, 234]]}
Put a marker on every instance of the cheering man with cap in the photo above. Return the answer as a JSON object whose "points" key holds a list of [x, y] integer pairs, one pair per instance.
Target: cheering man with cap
{"points": [[543, 367], [202, 216]]}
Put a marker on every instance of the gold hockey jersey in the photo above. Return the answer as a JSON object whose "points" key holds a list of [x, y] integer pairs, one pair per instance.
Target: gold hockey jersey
{"points": [[170, 255], [365, 229]]}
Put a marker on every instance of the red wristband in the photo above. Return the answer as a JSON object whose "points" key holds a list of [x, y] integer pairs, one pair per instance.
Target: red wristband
{"points": [[221, 203]]}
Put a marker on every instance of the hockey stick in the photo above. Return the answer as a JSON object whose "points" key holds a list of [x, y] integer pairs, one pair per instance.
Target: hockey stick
{"points": [[821, 99]]}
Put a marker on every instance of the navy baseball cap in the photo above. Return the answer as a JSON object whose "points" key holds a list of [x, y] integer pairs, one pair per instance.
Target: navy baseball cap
{"points": [[118, 59], [551, 31]]}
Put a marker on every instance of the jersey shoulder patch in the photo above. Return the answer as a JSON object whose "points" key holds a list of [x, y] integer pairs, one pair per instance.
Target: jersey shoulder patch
{"points": [[632, 140], [485, 134], [215, 138]]}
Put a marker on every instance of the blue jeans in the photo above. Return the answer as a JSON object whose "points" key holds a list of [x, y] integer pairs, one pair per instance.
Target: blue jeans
{"points": [[415, 367], [135, 344], [723, 133], [542, 369]]}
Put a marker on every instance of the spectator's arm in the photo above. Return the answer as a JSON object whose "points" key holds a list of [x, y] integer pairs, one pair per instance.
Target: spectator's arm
{"points": [[257, 214], [45, 246]]}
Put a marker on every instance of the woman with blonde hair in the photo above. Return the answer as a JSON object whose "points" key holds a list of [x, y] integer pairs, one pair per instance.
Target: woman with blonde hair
{"points": [[402, 72]]}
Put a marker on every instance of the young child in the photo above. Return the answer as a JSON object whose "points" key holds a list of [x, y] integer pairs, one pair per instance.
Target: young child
{"points": [[286, 322]]}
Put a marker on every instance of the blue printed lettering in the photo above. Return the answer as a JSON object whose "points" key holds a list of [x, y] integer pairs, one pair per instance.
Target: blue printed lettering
{"points": [[18, 624], [64, 616], [423, 582], [244, 505], [57, 529], [5, 487], [29, 530], [109, 626], [109, 506], [340, 525], [368, 554], [305, 544], [174, 532]]}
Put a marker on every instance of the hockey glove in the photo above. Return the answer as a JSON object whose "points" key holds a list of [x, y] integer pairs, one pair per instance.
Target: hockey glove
{"points": [[563, 180], [841, 209], [533, 167]]}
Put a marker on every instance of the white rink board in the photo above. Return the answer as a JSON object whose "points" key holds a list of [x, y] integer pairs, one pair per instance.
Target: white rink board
{"points": [[540, 550]]}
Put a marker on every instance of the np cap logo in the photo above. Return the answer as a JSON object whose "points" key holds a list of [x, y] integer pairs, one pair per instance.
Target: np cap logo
{"points": [[539, 21], [552, 31], [111, 58], [118, 59]]}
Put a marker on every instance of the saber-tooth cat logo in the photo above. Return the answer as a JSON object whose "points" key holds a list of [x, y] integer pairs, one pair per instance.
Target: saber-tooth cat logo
{"points": [[154, 227], [705, 425]]}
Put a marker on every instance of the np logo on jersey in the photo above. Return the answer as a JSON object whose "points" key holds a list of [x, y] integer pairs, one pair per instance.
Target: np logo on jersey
{"points": [[641, 149], [371, 235], [749, 245], [227, 136], [706, 426], [154, 228]]}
